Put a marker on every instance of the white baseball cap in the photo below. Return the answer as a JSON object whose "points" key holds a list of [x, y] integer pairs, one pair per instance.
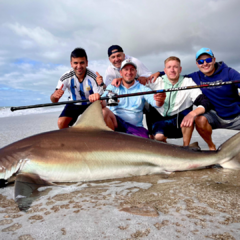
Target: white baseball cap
{"points": [[127, 62]]}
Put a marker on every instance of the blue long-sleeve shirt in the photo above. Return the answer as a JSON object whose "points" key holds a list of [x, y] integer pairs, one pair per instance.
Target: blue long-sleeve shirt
{"points": [[130, 109]]}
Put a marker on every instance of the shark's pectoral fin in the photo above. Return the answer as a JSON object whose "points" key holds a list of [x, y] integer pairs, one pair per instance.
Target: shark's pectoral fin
{"points": [[92, 118], [25, 185], [233, 163]]}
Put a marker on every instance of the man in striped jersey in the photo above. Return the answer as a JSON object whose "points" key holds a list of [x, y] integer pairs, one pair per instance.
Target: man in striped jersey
{"points": [[80, 82]]}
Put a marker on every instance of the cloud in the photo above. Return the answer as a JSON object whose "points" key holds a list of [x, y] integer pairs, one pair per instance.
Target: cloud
{"points": [[37, 37]]}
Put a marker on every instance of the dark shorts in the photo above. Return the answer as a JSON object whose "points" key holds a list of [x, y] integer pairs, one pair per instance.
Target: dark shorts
{"points": [[216, 122], [73, 111], [152, 116], [126, 127], [170, 126]]}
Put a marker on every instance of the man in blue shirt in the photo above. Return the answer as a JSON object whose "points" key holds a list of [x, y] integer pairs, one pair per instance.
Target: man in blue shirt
{"points": [[127, 116], [225, 99]]}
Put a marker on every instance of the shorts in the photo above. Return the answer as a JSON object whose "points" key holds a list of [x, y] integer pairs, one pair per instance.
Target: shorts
{"points": [[73, 111], [216, 122], [170, 126], [126, 127], [152, 116]]}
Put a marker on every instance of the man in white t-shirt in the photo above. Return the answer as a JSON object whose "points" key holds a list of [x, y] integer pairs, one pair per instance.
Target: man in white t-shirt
{"points": [[116, 57]]}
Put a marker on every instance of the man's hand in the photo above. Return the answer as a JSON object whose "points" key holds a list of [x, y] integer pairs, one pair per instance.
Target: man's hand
{"points": [[143, 80], [160, 98], [153, 77], [99, 79], [94, 97], [116, 82], [188, 119], [57, 94]]}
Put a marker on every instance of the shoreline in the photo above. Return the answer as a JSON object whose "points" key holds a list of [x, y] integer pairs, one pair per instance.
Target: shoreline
{"points": [[15, 128]]}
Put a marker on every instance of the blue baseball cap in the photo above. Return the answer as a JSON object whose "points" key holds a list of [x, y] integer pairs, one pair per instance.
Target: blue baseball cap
{"points": [[114, 49], [204, 51]]}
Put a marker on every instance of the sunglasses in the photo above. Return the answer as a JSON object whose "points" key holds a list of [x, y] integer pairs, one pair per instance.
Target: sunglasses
{"points": [[208, 60]]}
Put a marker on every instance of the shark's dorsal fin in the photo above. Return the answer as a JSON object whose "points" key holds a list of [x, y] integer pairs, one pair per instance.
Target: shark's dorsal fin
{"points": [[92, 118]]}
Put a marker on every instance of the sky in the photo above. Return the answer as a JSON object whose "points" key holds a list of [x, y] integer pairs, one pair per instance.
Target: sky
{"points": [[37, 38]]}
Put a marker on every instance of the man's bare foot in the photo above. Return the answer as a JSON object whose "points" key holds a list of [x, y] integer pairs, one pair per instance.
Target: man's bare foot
{"points": [[212, 148]]}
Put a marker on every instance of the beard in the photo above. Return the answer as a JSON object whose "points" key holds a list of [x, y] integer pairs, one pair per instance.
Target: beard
{"points": [[129, 81]]}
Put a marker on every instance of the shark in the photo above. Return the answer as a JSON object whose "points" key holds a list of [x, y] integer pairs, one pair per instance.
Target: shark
{"points": [[91, 151]]}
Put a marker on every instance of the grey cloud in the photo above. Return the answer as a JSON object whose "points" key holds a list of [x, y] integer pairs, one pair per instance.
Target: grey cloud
{"points": [[47, 31]]}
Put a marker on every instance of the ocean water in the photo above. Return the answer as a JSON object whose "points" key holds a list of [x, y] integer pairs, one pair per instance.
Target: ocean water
{"points": [[6, 111]]}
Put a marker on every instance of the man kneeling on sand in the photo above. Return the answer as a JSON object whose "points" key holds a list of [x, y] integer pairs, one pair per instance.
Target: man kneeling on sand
{"points": [[127, 116], [175, 118]]}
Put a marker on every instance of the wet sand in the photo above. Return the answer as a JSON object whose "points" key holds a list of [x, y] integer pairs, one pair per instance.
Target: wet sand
{"points": [[202, 204]]}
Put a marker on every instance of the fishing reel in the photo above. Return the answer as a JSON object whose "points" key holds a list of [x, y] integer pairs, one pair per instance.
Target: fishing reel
{"points": [[112, 99]]}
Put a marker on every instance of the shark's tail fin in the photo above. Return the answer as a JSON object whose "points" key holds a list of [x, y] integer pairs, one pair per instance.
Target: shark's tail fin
{"points": [[229, 153]]}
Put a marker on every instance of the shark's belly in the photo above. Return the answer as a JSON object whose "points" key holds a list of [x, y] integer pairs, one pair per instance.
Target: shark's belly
{"points": [[92, 166]]}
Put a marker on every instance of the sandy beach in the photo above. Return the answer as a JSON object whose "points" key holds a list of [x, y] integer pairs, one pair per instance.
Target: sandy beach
{"points": [[201, 204]]}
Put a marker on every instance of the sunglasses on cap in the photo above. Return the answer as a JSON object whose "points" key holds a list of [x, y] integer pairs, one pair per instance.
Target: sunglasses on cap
{"points": [[207, 60]]}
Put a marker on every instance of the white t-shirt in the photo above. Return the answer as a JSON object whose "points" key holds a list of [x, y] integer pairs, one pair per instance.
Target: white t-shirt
{"points": [[113, 72], [77, 90]]}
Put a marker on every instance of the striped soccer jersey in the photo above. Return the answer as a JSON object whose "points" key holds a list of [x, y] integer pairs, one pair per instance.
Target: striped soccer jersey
{"points": [[77, 90]]}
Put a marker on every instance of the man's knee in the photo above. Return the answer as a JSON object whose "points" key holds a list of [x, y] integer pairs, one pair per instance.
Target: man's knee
{"points": [[201, 121], [160, 137], [109, 118], [63, 122], [106, 113]]}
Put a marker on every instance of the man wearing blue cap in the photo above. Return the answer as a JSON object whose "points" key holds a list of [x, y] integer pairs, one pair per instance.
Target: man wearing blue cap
{"points": [[116, 57], [225, 99]]}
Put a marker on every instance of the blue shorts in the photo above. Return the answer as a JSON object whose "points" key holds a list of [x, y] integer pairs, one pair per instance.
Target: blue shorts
{"points": [[216, 122], [170, 126], [73, 111], [126, 127]]}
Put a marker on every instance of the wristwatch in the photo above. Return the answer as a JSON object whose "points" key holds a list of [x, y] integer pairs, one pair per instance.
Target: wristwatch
{"points": [[102, 84]]}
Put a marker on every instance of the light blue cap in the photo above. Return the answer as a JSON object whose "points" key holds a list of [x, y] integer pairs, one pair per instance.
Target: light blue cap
{"points": [[204, 51]]}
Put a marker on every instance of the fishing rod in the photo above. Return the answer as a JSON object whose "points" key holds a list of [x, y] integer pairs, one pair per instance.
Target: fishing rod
{"points": [[112, 97]]}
